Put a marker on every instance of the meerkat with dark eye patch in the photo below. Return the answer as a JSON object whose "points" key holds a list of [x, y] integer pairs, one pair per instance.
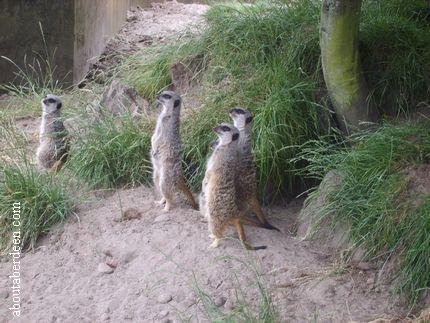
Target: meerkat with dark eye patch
{"points": [[246, 182], [166, 152], [220, 192], [53, 148]]}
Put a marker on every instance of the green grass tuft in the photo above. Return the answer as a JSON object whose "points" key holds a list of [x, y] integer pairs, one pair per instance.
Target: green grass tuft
{"points": [[43, 202], [385, 217], [266, 57], [112, 152], [42, 196]]}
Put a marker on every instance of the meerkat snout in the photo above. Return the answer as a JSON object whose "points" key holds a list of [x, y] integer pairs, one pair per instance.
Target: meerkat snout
{"points": [[169, 100], [241, 118], [51, 104], [226, 134]]}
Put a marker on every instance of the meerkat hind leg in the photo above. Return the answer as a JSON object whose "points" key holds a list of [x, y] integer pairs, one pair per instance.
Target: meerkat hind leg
{"points": [[241, 232], [183, 187], [255, 204]]}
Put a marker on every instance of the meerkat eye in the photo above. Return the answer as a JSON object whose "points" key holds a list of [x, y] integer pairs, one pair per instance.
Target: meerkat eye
{"points": [[59, 105], [249, 119], [240, 111], [225, 128], [51, 100], [167, 96]]}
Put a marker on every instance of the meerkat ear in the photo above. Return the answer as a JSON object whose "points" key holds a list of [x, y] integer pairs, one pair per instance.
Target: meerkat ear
{"points": [[177, 103], [249, 119], [235, 137], [59, 106]]}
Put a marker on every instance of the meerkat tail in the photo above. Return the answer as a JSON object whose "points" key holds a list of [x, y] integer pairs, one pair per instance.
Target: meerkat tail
{"points": [[183, 187], [239, 227], [255, 204]]}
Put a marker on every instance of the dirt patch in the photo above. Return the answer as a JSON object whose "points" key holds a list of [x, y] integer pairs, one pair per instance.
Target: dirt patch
{"points": [[158, 24], [139, 270], [418, 184]]}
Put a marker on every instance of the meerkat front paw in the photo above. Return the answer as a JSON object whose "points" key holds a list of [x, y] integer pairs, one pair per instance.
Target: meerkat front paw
{"points": [[160, 202], [167, 207], [214, 244]]}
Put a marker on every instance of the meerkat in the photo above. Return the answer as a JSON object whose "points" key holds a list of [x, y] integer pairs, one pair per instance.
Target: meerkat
{"points": [[220, 192], [165, 152], [246, 183], [53, 148], [202, 195]]}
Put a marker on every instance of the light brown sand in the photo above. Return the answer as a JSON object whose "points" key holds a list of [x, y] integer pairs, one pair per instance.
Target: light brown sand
{"points": [[154, 259]]}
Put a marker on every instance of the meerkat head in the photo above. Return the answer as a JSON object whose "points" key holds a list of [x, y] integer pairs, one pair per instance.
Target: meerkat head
{"points": [[170, 101], [51, 104], [241, 118], [226, 133]]}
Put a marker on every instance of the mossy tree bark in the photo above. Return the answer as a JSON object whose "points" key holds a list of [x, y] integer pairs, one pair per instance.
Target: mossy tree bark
{"points": [[340, 21]]}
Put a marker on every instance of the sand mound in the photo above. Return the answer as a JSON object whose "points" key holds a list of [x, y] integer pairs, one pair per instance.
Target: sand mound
{"points": [[144, 268]]}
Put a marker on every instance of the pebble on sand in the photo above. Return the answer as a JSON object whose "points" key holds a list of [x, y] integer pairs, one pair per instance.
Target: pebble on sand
{"points": [[164, 298], [103, 268]]}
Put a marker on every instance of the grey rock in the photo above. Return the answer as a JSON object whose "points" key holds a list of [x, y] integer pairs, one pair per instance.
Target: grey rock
{"points": [[362, 265], [4, 294], [120, 99], [103, 268], [220, 301], [164, 298]]}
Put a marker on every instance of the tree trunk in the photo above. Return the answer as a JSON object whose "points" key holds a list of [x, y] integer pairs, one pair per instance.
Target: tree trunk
{"points": [[340, 20]]}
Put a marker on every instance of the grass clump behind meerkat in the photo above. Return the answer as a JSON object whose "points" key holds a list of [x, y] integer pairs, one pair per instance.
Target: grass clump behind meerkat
{"points": [[113, 151], [42, 196], [382, 198], [266, 57]]}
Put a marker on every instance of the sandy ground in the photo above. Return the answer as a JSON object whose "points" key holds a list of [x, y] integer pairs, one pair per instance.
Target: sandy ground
{"points": [[99, 268]]}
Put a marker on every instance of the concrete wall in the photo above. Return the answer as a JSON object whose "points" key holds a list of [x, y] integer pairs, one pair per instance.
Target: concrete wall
{"points": [[76, 30], [95, 22], [20, 34]]}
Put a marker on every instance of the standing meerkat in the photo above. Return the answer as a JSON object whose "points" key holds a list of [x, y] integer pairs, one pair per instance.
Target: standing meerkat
{"points": [[165, 152], [246, 182], [220, 192], [202, 195], [53, 146]]}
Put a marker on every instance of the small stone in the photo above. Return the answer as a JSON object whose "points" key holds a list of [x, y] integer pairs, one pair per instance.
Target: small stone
{"points": [[220, 301], [103, 268], [164, 298], [127, 257], [131, 214], [362, 265], [163, 314], [4, 294]]}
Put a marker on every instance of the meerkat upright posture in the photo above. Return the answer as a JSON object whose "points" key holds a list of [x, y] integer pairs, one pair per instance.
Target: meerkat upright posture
{"points": [[246, 183], [202, 195], [53, 146], [165, 152], [220, 192]]}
